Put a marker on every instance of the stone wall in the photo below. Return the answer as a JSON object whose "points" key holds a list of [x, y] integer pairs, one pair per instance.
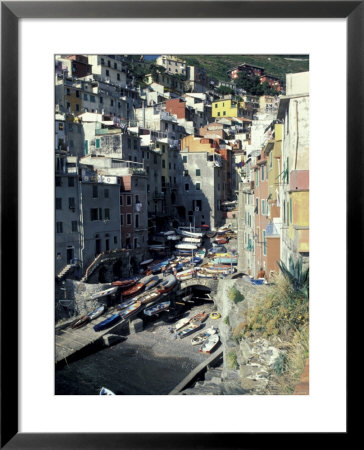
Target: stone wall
{"points": [[247, 363]]}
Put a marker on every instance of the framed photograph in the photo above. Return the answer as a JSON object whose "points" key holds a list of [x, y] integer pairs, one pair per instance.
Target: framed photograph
{"points": [[45, 40]]}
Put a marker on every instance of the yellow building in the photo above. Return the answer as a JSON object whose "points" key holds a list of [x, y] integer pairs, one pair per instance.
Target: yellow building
{"points": [[196, 144], [226, 108]]}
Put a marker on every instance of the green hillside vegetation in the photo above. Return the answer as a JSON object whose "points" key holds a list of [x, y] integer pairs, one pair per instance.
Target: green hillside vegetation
{"points": [[217, 66]]}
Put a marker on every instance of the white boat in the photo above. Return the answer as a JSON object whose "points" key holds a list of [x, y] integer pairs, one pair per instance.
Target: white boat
{"points": [[185, 274], [181, 323], [203, 274], [192, 240], [209, 344], [104, 293], [185, 231], [168, 233], [201, 337], [147, 261], [186, 246], [190, 328], [97, 312], [174, 237], [106, 391]]}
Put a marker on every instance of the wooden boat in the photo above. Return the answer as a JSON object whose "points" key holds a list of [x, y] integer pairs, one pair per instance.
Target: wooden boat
{"points": [[211, 234], [112, 320], [81, 322], [203, 274], [225, 261], [190, 233], [201, 337], [155, 309], [149, 297], [129, 310], [217, 250], [186, 274], [209, 344], [125, 304], [181, 323], [146, 262], [222, 241], [157, 267], [125, 284], [186, 246], [133, 291], [106, 391], [156, 247], [168, 233], [257, 281], [220, 269], [97, 312], [104, 293], [174, 237], [167, 284], [200, 317], [152, 282], [191, 240], [189, 329]]}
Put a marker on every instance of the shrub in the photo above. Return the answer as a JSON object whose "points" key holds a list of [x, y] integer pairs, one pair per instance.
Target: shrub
{"points": [[235, 295], [232, 360]]}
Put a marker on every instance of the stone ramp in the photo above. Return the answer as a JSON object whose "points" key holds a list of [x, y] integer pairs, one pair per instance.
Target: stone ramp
{"points": [[68, 341], [196, 371]]}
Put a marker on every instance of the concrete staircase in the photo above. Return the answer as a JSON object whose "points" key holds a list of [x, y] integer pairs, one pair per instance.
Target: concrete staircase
{"points": [[65, 271]]}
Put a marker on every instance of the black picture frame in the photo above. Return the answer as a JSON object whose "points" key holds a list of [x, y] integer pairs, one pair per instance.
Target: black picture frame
{"points": [[11, 12]]}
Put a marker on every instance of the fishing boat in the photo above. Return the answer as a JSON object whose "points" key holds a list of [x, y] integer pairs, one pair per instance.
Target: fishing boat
{"points": [[174, 237], [112, 320], [133, 290], [81, 322], [222, 241], [189, 329], [225, 261], [193, 234], [104, 293], [125, 304], [106, 391], [157, 267], [186, 274], [155, 309], [97, 312], [152, 282], [167, 284], [200, 317], [181, 323], [168, 233], [257, 281], [203, 274], [129, 310], [125, 284], [187, 298], [192, 240], [186, 246], [149, 297], [210, 344], [201, 337], [156, 247], [146, 262], [220, 269], [214, 250]]}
